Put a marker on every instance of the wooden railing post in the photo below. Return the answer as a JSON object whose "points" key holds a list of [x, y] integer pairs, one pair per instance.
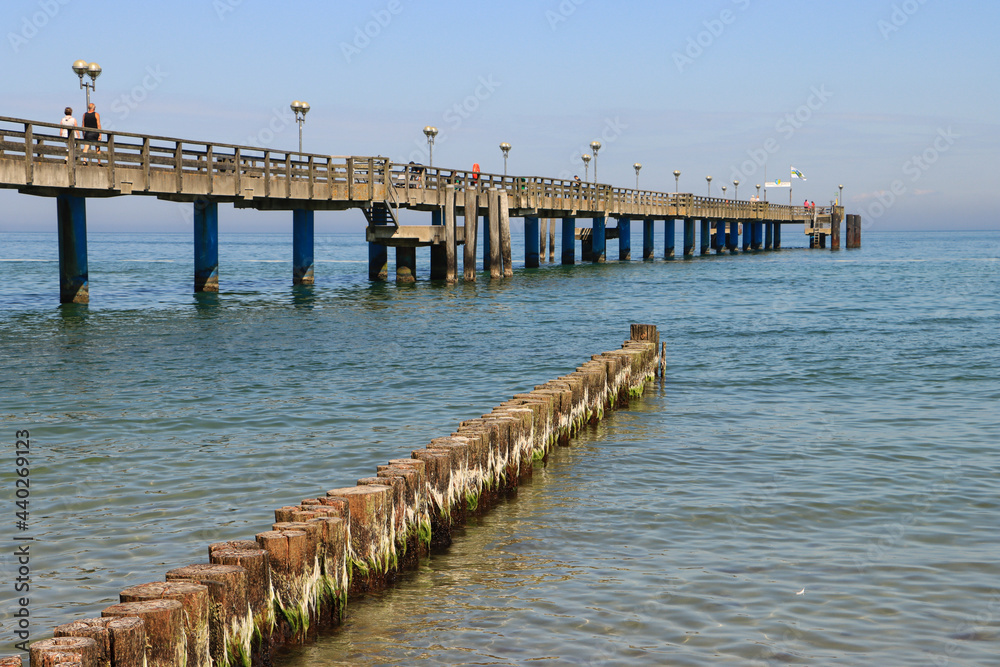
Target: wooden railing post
{"points": [[267, 173], [312, 176], [179, 166], [288, 175], [71, 157], [29, 154], [210, 168], [145, 163], [111, 161], [238, 172]]}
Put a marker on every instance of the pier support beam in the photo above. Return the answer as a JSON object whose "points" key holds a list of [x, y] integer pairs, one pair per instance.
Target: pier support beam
{"points": [[439, 259], [768, 235], [471, 232], [777, 235], [552, 240], [747, 235], [74, 280], [733, 238], [206, 246], [378, 254], [624, 239], [706, 236], [599, 240], [756, 235], [569, 240], [450, 241], [647, 239], [669, 231], [506, 252], [532, 240], [496, 268], [689, 237], [719, 244], [303, 246], [836, 217], [406, 265]]}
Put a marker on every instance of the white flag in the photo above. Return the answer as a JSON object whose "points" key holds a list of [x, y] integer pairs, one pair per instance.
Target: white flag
{"points": [[797, 174]]}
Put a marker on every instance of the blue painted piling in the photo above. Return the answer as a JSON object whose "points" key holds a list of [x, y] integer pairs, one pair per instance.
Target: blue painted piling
{"points": [[688, 237], [733, 237], [624, 239], [719, 243], [647, 239], [706, 235], [303, 244], [569, 240], [531, 243], [756, 235], [768, 235], [777, 236], [406, 264], [669, 230], [600, 240], [486, 242], [378, 254], [439, 253], [206, 246], [747, 232], [74, 281]]}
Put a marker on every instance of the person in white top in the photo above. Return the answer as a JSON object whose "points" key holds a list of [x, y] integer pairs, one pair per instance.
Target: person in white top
{"points": [[68, 121]]}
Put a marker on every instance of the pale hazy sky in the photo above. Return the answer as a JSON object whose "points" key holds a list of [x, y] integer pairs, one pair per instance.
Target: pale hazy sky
{"points": [[897, 100]]}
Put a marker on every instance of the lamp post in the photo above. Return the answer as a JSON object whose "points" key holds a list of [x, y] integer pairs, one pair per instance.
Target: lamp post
{"points": [[81, 67], [736, 189], [431, 132], [758, 192], [677, 180], [723, 191], [595, 146], [505, 147], [637, 166], [709, 179], [840, 200], [300, 109], [586, 167]]}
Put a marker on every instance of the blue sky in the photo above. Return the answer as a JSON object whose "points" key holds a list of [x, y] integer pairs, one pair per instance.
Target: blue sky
{"points": [[897, 100]]}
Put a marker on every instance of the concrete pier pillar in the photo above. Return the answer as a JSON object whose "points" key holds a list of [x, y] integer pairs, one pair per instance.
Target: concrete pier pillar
{"points": [[600, 240], [303, 246], [406, 265], [439, 259], [747, 235], [496, 266], [669, 231], [471, 229], [532, 240], [624, 239], [768, 235], [378, 254], [777, 236], [719, 240], [756, 235], [74, 281], [647, 239], [689, 237], [706, 236], [206, 246], [733, 238], [569, 240]]}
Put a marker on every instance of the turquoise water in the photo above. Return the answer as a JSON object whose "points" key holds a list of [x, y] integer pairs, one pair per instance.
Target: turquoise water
{"points": [[814, 483]]}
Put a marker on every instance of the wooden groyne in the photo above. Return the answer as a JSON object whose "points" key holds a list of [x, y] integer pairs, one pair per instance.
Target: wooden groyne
{"points": [[252, 597]]}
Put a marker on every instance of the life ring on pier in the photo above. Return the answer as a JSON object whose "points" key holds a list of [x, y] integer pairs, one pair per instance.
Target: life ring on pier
{"points": [[475, 172]]}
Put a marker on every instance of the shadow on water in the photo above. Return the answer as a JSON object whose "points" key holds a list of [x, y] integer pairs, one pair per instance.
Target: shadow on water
{"points": [[304, 296], [73, 315], [207, 303]]}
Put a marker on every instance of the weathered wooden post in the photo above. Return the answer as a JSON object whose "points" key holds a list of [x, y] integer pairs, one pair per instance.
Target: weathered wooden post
{"points": [[552, 240], [569, 240], [689, 237], [531, 242], [303, 246], [121, 641], [74, 280], [493, 234], [543, 237], [471, 234], [503, 205], [164, 621], [599, 240], [669, 237], [74, 651], [451, 260], [206, 246], [439, 256], [706, 235], [647, 238], [624, 239], [194, 598]]}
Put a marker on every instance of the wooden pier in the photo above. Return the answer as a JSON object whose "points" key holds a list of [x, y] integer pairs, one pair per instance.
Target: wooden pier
{"points": [[36, 160]]}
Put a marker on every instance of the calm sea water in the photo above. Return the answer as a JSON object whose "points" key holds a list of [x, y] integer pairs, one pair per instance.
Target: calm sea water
{"points": [[816, 481]]}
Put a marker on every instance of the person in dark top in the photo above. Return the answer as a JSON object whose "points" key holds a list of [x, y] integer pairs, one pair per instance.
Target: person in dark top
{"points": [[91, 119]]}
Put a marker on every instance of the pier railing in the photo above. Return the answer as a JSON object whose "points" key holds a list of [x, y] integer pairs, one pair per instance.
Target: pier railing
{"points": [[36, 158]]}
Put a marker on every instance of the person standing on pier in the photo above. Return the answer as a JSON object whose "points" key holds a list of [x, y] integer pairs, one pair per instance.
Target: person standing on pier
{"points": [[91, 119], [68, 121]]}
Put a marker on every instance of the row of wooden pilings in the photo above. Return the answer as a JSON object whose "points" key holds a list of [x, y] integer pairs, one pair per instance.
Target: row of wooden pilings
{"points": [[254, 596]]}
